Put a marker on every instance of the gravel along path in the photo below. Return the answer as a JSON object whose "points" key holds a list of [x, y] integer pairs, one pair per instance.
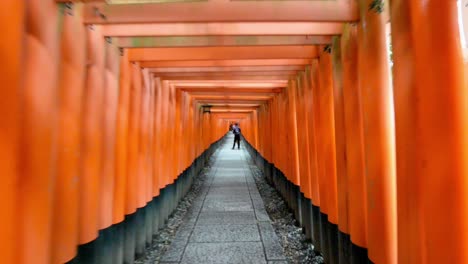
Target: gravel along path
{"points": [[165, 236], [296, 248]]}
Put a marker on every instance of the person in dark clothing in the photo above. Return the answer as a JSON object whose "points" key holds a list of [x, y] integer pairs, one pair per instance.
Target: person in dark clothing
{"points": [[237, 132]]}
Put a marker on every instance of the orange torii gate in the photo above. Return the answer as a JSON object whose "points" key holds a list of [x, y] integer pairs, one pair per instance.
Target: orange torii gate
{"points": [[111, 107]]}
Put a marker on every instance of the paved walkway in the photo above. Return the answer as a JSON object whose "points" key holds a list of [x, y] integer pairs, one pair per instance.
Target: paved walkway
{"points": [[227, 222]]}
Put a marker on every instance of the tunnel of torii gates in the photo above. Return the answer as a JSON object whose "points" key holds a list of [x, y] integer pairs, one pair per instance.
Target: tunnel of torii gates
{"points": [[110, 109]]}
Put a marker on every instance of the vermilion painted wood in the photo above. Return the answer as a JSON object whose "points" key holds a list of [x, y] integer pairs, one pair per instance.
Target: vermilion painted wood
{"points": [[150, 159], [12, 20], [211, 41], [327, 151], [224, 63], [432, 125], [143, 131], [302, 131], [133, 139], [157, 140], [92, 137], [227, 69], [227, 75], [71, 87], [379, 134], [225, 29], [164, 135], [313, 114], [223, 53], [240, 79], [340, 138], [293, 141], [38, 137], [219, 11], [122, 141], [354, 138], [110, 105]]}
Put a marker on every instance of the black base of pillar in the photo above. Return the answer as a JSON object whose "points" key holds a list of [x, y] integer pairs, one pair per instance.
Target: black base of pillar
{"points": [[316, 237], [333, 234], [359, 255], [344, 248], [306, 216]]}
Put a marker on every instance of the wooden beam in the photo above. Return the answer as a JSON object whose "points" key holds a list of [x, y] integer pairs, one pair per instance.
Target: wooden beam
{"points": [[229, 90], [224, 78], [231, 97], [226, 69], [223, 53], [210, 41], [231, 83], [234, 111], [233, 108], [224, 63], [226, 74], [222, 11], [231, 101], [223, 29]]}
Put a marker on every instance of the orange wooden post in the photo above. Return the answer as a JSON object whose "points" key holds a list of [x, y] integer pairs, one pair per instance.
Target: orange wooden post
{"points": [[121, 145], [379, 135], [313, 112], [143, 130], [302, 131], [171, 163], [313, 84], [133, 139], [354, 144], [340, 145], [157, 137], [164, 134], [37, 141], [276, 127], [12, 20], [109, 107], [71, 86], [179, 140], [92, 137], [431, 102], [150, 151], [327, 152], [293, 142]]}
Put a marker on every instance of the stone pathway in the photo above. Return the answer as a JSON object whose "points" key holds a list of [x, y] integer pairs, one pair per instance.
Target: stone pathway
{"points": [[227, 222]]}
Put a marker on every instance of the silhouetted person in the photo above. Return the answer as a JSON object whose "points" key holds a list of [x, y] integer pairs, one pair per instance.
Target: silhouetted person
{"points": [[237, 132]]}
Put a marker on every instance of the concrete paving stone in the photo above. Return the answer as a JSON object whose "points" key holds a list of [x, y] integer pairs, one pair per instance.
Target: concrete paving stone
{"points": [[238, 198], [184, 232], [262, 215], [225, 233], [228, 190], [229, 165], [273, 249], [227, 206], [256, 196], [258, 203], [222, 172], [230, 184], [230, 178], [226, 253], [278, 262], [223, 218], [175, 251]]}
